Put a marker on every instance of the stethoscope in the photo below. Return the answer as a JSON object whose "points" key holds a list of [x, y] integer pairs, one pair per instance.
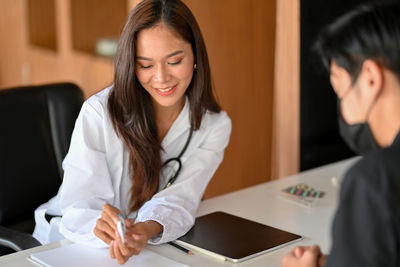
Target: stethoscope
{"points": [[177, 159]]}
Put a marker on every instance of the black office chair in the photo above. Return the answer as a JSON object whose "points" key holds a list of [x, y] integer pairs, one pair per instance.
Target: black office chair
{"points": [[36, 124]]}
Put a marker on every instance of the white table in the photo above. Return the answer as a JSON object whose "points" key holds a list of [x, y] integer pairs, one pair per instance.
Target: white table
{"points": [[261, 203]]}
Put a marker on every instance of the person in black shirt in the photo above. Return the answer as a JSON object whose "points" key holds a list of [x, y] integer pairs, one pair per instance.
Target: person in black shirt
{"points": [[362, 51]]}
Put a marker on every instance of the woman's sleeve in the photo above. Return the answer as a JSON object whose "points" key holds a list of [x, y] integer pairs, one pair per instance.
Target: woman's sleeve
{"points": [[175, 207], [87, 183]]}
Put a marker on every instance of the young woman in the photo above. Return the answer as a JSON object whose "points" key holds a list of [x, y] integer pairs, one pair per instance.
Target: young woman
{"points": [[147, 146]]}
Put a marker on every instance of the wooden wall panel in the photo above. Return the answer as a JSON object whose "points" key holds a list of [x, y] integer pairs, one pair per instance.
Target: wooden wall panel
{"points": [[240, 37], [286, 134]]}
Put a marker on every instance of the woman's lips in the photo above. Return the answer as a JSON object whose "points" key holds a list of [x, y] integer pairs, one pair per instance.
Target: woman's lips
{"points": [[166, 91]]}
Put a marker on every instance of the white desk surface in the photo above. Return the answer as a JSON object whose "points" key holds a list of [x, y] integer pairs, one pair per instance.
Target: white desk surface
{"points": [[261, 203]]}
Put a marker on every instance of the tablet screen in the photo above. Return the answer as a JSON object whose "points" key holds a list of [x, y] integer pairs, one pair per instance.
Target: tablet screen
{"points": [[233, 237]]}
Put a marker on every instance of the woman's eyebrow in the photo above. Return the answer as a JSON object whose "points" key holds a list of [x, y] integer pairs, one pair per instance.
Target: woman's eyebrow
{"points": [[168, 56], [174, 53]]}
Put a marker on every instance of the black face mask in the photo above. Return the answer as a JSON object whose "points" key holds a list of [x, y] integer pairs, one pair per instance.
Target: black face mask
{"points": [[357, 136]]}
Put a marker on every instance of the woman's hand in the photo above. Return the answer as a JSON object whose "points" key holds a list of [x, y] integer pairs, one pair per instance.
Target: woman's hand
{"points": [[304, 257], [107, 224], [136, 238]]}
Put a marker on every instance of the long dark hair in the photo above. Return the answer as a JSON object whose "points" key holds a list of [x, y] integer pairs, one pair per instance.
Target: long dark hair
{"points": [[129, 104], [371, 31]]}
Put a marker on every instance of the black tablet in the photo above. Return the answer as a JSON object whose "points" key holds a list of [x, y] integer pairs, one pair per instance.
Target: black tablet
{"points": [[233, 238]]}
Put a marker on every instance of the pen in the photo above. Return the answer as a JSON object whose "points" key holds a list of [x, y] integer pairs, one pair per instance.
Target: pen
{"points": [[181, 248], [121, 227]]}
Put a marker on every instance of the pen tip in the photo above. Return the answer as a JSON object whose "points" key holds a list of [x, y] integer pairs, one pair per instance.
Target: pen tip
{"points": [[190, 253]]}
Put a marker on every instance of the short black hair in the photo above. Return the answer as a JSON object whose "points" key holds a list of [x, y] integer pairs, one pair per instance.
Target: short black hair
{"points": [[371, 31]]}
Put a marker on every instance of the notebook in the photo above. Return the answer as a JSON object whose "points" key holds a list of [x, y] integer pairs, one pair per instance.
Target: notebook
{"points": [[233, 238], [80, 255]]}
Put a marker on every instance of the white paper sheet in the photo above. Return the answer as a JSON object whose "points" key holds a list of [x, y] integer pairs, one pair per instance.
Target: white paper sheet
{"points": [[80, 255]]}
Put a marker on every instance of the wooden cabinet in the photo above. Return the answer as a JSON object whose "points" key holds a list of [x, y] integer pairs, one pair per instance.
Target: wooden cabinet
{"points": [[55, 40], [92, 20], [42, 23]]}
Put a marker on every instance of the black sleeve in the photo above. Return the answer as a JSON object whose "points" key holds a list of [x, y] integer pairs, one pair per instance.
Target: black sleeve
{"points": [[363, 229]]}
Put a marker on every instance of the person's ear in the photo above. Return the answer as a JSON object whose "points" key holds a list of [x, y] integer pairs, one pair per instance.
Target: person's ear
{"points": [[372, 78]]}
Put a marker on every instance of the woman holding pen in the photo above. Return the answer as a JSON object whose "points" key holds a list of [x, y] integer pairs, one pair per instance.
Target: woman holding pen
{"points": [[145, 147]]}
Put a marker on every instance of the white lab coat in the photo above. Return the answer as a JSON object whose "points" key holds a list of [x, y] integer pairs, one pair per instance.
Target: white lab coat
{"points": [[96, 172]]}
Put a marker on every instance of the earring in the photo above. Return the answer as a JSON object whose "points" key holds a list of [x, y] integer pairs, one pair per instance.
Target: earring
{"points": [[195, 66]]}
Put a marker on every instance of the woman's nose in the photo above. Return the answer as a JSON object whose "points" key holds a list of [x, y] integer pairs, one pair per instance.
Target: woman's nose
{"points": [[161, 74]]}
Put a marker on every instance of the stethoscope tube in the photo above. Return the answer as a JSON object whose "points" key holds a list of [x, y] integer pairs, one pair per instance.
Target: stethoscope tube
{"points": [[172, 179]]}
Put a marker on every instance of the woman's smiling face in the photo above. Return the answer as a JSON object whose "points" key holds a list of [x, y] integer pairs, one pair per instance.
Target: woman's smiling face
{"points": [[164, 65]]}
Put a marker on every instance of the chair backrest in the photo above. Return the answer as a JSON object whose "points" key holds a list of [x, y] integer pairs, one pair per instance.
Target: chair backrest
{"points": [[36, 124]]}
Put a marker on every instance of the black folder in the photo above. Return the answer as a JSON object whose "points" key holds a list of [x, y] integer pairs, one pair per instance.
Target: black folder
{"points": [[233, 238]]}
